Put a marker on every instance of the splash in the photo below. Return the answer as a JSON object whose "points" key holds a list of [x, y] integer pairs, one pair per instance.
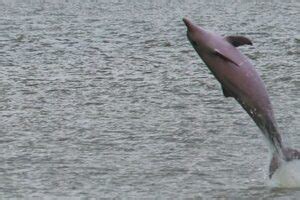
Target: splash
{"points": [[287, 175]]}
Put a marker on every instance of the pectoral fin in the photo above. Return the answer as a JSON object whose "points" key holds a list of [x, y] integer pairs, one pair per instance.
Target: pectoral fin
{"points": [[217, 52], [238, 40], [226, 92]]}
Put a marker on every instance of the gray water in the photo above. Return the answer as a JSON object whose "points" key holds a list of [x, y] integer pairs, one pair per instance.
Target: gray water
{"points": [[107, 99]]}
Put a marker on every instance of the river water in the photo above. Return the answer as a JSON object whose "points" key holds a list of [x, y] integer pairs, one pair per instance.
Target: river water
{"points": [[107, 99]]}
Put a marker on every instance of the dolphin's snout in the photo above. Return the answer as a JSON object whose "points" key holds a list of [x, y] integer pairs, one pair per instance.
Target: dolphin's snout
{"points": [[188, 23], [190, 26]]}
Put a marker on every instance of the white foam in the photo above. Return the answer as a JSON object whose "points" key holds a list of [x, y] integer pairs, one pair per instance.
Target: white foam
{"points": [[287, 175]]}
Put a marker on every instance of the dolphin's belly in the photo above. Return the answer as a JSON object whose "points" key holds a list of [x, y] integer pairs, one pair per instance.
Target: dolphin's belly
{"points": [[243, 83]]}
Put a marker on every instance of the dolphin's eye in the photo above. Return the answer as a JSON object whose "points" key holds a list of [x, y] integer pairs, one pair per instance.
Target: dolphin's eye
{"points": [[194, 43]]}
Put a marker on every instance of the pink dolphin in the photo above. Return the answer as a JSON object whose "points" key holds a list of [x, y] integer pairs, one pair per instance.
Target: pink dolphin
{"points": [[240, 80]]}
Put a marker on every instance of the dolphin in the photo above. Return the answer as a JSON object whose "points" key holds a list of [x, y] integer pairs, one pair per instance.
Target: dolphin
{"points": [[240, 80]]}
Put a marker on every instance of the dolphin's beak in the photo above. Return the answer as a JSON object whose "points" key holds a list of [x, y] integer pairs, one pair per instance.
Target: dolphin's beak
{"points": [[190, 26]]}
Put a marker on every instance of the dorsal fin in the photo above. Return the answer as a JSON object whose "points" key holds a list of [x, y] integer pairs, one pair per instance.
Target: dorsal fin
{"points": [[238, 40]]}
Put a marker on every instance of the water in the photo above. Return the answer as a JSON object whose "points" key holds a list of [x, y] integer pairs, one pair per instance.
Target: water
{"points": [[287, 175], [109, 99]]}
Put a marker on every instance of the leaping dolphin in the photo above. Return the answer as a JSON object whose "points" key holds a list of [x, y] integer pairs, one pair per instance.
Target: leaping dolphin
{"points": [[240, 80]]}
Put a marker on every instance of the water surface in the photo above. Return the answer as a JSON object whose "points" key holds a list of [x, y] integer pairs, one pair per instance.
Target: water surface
{"points": [[109, 99]]}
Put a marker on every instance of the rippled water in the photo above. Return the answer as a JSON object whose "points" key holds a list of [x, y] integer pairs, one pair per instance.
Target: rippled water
{"points": [[109, 99]]}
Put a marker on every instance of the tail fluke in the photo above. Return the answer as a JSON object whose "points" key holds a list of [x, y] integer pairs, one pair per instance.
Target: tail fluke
{"points": [[277, 161]]}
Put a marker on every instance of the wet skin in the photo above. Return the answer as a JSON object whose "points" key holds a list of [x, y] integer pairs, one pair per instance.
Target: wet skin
{"points": [[240, 80]]}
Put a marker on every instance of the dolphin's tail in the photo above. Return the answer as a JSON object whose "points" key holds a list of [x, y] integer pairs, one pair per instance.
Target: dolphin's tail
{"points": [[280, 155], [269, 128], [266, 122], [276, 162]]}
